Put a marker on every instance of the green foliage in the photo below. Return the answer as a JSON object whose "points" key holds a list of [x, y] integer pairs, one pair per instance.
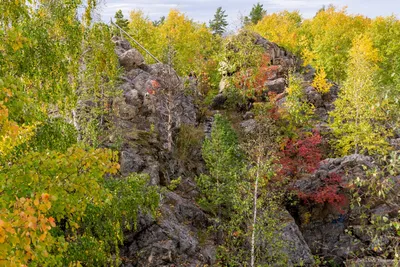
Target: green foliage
{"points": [[219, 23], [102, 227], [298, 112], [379, 186], [98, 87], [223, 160], [358, 118], [256, 14], [385, 33], [88, 230], [188, 141], [120, 20], [240, 53], [55, 134], [174, 183], [242, 58], [56, 208]]}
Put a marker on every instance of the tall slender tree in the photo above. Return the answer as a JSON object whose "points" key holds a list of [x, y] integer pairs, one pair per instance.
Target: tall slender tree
{"points": [[219, 23], [260, 147], [359, 115]]}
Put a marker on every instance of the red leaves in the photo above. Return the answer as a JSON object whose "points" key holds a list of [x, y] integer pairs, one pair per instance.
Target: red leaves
{"points": [[155, 84], [152, 89], [301, 156], [328, 193], [252, 81]]}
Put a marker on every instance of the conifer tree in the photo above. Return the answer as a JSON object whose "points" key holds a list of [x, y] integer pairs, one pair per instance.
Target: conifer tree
{"points": [[120, 20], [219, 23], [256, 14]]}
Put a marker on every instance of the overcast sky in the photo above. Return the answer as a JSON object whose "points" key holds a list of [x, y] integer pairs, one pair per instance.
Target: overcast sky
{"points": [[203, 10]]}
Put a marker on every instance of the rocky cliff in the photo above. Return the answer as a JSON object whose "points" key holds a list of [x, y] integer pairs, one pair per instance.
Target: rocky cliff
{"points": [[152, 111]]}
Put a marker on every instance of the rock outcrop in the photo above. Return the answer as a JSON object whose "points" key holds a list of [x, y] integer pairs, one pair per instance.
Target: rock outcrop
{"points": [[339, 233], [153, 107], [178, 237]]}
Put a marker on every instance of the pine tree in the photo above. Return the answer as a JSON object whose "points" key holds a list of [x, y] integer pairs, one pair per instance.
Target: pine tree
{"points": [[359, 115], [219, 23], [256, 14], [120, 20]]}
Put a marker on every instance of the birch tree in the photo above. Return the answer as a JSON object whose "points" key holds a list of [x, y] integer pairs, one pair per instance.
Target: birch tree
{"points": [[359, 114]]}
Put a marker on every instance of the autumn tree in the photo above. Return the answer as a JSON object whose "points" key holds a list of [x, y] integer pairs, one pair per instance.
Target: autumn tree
{"points": [[385, 33], [359, 115], [326, 44], [320, 82], [142, 29], [282, 28], [219, 23], [53, 57], [297, 112], [256, 14]]}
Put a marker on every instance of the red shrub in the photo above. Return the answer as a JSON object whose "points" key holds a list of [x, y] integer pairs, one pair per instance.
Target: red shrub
{"points": [[328, 193], [252, 81], [301, 156]]}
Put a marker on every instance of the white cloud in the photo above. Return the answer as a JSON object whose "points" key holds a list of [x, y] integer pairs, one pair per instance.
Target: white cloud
{"points": [[203, 10]]}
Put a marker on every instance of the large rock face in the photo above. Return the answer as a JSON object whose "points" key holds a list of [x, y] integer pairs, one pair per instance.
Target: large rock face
{"points": [[177, 238], [278, 55], [154, 105], [326, 228], [296, 247]]}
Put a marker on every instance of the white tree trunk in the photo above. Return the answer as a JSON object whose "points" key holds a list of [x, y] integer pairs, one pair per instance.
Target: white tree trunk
{"points": [[254, 214]]}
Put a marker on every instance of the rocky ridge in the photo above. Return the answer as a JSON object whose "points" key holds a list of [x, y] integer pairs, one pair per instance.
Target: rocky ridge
{"points": [[179, 236]]}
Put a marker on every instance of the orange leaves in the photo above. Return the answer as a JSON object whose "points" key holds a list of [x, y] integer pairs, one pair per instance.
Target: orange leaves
{"points": [[24, 230], [45, 197], [51, 221]]}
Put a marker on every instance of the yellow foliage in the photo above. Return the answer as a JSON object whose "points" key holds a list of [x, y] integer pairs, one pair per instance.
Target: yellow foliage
{"points": [[281, 28], [364, 48], [320, 83], [11, 134], [179, 40], [327, 39]]}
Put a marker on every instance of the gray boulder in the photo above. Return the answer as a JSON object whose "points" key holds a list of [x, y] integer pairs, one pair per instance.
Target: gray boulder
{"points": [[131, 59], [276, 86], [172, 239], [296, 247], [249, 126]]}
